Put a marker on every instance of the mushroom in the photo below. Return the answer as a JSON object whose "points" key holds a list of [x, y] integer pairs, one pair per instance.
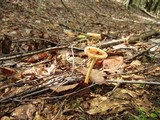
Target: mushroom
{"points": [[94, 54]]}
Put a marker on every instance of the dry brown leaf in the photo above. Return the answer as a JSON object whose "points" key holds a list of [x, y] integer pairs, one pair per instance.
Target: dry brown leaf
{"points": [[124, 94], [40, 71], [37, 71], [155, 71], [64, 88], [96, 76], [24, 112], [133, 77], [143, 102], [135, 63], [37, 57], [113, 62], [103, 104], [7, 71]]}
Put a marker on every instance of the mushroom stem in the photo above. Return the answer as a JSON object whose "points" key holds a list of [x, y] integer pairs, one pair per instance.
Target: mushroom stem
{"points": [[89, 70]]}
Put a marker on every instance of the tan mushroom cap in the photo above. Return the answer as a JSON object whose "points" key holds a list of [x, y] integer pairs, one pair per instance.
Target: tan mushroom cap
{"points": [[94, 52]]}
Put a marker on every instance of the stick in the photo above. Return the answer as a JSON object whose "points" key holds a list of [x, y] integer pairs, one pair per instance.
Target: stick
{"points": [[30, 53], [132, 82], [131, 39]]}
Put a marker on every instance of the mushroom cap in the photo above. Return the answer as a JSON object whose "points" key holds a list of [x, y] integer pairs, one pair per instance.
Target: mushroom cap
{"points": [[94, 52]]}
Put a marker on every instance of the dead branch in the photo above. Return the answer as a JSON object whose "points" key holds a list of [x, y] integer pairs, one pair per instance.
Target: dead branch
{"points": [[132, 82], [140, 53], [30, 53], [132, 39]]}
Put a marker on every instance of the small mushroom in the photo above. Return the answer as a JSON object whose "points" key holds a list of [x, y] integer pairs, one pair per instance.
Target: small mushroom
{"points": [[94, 54]]}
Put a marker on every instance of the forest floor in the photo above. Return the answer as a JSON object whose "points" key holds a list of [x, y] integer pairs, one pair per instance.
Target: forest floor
{"points": [[43, 64]]}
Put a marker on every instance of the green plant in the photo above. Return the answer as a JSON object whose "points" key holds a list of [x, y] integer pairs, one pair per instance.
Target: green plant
{"points": [[142, 115]]}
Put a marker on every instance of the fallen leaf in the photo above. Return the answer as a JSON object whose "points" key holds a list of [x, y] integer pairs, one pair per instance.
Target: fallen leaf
{"points": [[113, 65], [51, 70], [133, 77], [113, 62], [24, 112], [96, 76], [124, 94], [64, 87], [155, 71], [104, 105], [37, 57], [7, 71], [143, 102], [135, 63]]}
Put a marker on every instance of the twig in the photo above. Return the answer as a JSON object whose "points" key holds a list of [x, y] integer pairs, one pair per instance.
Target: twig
{"points": [[140, 53], [30, 53], [28, 90], [145, 69], [113, 90], [45, 89], [73, 61], [132, 82], [67, 8]]}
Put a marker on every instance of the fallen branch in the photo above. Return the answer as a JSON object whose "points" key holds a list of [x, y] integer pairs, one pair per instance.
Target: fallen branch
{"points": [[140, 53], [30, 53], [132, 82], [132, 39]]}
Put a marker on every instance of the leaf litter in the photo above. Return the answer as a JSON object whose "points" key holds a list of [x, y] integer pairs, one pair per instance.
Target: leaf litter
{"points": [[48, 84]]}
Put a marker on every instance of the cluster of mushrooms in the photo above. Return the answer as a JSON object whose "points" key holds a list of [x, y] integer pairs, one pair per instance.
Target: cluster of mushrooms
{"points": [[94, 54]]}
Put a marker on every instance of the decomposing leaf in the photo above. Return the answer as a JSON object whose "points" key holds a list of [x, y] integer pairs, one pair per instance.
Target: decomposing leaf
{"points": [[51, 69], [40, 71], [155, 71], [133, 77], [124, 94], [14, 90], [113, 64], [64, 87], [24, 112], [143, 102], [37, 57], [135, 63], [36, 71], [7, 71], [105, 105], [96, 76]]}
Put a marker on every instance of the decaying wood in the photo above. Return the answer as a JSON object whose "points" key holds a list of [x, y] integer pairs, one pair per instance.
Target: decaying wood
{"points": [[132, 39]]}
